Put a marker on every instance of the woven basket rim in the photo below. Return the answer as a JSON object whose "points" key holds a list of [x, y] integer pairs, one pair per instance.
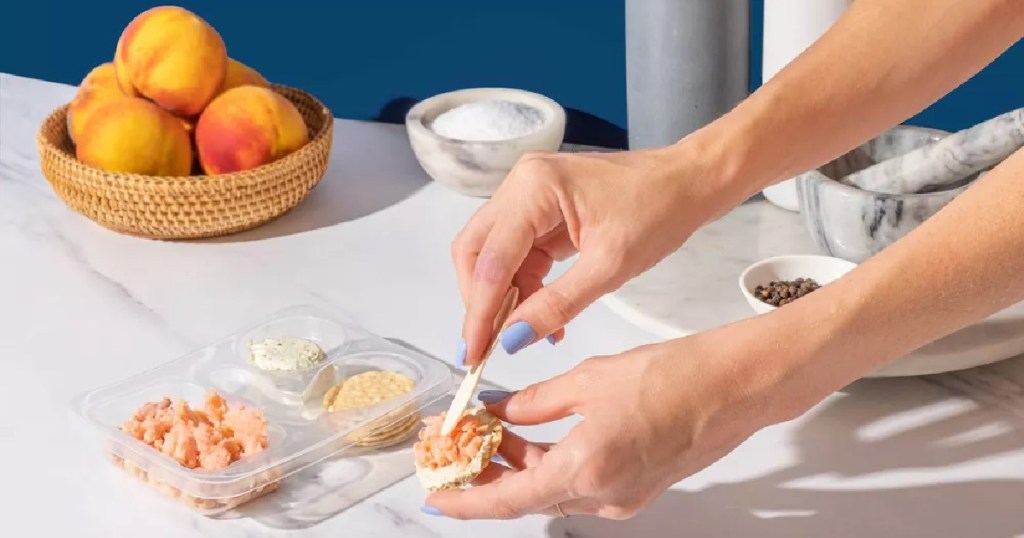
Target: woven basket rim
{"points": [[245, 175]]}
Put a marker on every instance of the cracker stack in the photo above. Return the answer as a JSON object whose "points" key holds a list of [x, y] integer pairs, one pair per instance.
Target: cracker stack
{"points": [[370, 388]]}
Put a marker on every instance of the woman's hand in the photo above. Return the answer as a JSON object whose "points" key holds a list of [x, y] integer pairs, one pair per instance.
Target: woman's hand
{"points": [[651, 416], [622, 212], [657, 414]]}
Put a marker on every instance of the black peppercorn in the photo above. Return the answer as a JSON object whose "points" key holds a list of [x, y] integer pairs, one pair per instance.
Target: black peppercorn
{"points": [[778, 293]]}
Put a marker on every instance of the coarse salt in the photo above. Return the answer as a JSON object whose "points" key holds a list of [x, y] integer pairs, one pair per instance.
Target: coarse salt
{"points": [[488, 120]]}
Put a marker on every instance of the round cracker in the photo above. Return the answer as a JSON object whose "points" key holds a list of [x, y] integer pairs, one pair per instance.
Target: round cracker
{"points": [[388, 442], [391, 429], [383, 432], [391, 438], [366, 389], [380, 431]]}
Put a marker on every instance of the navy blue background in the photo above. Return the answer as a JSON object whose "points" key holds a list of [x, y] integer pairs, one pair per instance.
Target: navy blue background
{"points": [[368, 59]]}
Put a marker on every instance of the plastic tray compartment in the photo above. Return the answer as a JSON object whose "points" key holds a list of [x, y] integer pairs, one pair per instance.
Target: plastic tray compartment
{"points": [[300, 433]]}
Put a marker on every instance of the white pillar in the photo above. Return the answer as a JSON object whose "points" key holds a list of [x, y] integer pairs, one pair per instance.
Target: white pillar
{"points": [[790, 26]]}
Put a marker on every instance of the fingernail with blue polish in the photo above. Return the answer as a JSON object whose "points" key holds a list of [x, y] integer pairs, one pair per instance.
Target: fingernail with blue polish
{"points": [[517, 336], [430, 510], [551, 339], [498, 459], [492, 396], [460, 354]]}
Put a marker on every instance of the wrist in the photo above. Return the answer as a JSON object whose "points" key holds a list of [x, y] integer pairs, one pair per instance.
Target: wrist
{"points": [[759, 370], [823, 344], [779, 365], [737, 159]]}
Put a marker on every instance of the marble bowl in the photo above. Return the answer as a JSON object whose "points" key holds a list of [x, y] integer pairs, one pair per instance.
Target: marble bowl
{"points": [[855, 224], [823, 269], [477, 168]]}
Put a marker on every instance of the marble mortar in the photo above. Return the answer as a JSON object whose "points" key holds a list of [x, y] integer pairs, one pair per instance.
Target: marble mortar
{"points": [[477, 168], [854, 224]]}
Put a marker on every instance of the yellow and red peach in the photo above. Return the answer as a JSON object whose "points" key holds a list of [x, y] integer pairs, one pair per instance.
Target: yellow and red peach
{"points": [[133, 135], [239, 74], [98, 87], [123, 79], [247, 127], [172, 57]]}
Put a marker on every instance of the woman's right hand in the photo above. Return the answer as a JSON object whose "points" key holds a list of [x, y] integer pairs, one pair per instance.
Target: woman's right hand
{"points": [[650, 417], [622, 212]]}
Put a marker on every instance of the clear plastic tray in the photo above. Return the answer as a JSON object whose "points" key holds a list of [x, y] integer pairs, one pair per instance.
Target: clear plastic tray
{"points": [[300, 432]]}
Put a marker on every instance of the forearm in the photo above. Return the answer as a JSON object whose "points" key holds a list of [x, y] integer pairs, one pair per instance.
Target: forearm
{"points": [[962, 265], [881, 63]]}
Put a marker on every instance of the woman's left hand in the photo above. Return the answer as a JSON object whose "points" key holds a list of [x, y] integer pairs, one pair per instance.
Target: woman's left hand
{"points": [[651, 417]]}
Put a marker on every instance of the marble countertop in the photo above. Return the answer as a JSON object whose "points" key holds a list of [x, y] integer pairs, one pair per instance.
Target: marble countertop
{"points": [[82, 306]]}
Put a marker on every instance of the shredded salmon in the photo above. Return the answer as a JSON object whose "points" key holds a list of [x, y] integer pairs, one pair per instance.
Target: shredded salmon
{"points": [[434, 450], [207, 439]]}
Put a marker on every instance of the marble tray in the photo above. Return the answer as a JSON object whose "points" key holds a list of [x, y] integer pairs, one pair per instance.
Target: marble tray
{"points": [[695, 289]]}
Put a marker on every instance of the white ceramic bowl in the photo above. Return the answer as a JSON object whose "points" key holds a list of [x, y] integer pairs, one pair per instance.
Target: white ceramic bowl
{"points": [[823, 269], [477, 168]]}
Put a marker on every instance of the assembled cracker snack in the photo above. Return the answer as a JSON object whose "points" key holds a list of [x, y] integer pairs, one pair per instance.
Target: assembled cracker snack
{"points": [[454, 460], [457, 445]]}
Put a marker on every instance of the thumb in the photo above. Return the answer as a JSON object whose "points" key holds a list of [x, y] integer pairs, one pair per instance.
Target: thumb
{"points": [[551, 307], [542, 402]]}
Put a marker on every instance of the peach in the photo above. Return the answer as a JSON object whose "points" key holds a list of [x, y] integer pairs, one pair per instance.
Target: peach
{"points": [[133, 135], [172, 57], [247, 127], [123, 81], [98, 87], [239, 74]]}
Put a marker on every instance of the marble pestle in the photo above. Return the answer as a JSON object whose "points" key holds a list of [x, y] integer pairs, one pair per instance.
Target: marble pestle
{"points": [[946, 163]]}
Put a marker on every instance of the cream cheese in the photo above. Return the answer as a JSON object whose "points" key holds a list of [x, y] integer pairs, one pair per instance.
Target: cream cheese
{"points": [[285, 354]]}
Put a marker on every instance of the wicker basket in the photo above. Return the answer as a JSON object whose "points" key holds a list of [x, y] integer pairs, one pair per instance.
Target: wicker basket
{"points": [[187, 207]]}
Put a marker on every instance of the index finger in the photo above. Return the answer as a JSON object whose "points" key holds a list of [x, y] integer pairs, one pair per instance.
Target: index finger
{"points": [[466, 247], [515, 495], [503, 252]]}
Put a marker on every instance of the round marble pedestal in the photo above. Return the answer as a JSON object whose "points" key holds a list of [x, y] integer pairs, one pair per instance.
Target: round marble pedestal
{"points": [[695, 289]]}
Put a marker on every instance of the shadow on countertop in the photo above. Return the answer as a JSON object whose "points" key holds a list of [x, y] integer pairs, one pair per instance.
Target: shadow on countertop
{"points": [[831, 445], [350, 190]]}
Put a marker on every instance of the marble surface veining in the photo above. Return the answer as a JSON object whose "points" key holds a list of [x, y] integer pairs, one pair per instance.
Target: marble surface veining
{"points": [[854, 227], [855, 224], [934, 456], [948, 162]]}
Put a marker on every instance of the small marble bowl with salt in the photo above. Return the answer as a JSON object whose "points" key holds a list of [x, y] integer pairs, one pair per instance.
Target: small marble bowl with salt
{"points": [[469, 140]]}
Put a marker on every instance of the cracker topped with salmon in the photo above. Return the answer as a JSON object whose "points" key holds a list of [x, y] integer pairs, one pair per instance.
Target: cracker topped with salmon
{"points": [[454, 460]]}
